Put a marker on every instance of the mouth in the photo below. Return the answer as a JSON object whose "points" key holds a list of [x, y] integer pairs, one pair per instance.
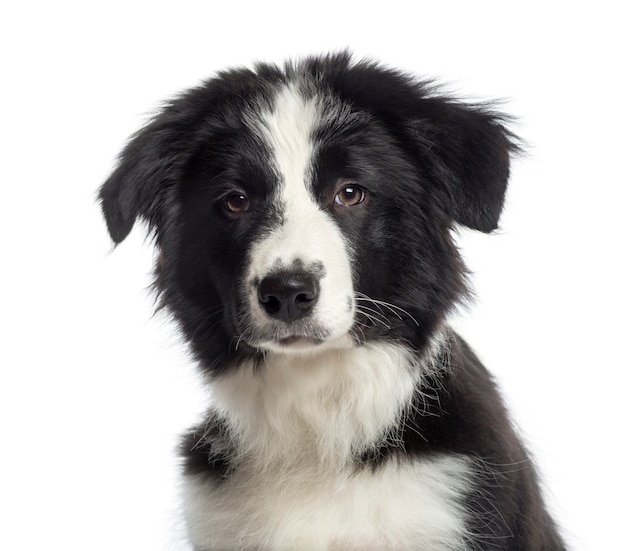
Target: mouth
{"points": [[303, 335], [299, 343], [299, 336]]}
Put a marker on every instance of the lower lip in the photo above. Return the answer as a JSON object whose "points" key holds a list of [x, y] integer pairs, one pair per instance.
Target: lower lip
{"points": [[297, 342]]}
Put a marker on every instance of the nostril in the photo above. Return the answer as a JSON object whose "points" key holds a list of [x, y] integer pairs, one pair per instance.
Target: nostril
{"points": [[306, 298], [288, 295], [270, 303]]}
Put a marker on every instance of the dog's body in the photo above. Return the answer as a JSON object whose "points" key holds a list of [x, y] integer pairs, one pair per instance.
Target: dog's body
{"points": [[303, 217]]}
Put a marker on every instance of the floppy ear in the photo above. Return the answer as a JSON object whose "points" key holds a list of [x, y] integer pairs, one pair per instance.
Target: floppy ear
{"points": [[151, 163], [463, 149], [467, 149]]}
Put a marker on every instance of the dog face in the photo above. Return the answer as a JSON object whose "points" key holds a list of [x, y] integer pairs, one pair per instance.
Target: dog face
{"points": [[309, 208], [297, 289]]}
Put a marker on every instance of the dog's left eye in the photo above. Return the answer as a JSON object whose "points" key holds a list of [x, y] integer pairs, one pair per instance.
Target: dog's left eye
{"points": [[236, 203], [350, 196]]}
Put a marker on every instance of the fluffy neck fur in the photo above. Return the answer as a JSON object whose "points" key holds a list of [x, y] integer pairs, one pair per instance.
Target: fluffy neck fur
{"points": [[321, 410]]}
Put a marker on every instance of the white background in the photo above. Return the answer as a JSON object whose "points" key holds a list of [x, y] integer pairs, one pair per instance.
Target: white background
{"points": [[94, 390]]}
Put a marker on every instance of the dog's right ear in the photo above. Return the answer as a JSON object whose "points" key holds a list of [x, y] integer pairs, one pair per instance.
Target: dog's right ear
{"points": [[151, 163]]}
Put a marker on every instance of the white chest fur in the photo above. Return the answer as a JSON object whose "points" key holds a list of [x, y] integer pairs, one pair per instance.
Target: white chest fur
{"points": [[414, 505], [296, 430]]}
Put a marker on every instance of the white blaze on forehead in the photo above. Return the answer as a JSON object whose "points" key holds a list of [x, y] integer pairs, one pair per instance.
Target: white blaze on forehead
{"points": [[288, 128]]}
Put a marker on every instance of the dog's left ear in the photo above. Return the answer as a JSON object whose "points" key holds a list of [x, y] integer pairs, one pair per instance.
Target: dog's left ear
{"points": [[466, 150]]}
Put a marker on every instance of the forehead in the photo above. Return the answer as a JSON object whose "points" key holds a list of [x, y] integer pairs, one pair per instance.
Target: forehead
{"points": [[294, 124], [287, 128]]}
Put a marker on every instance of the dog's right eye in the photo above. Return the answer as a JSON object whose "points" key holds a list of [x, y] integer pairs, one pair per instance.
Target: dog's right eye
{"points": [[237, 203]]}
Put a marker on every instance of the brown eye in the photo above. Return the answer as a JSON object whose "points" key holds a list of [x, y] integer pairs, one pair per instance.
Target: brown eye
{"points": [[350, 196], [236, 203]]}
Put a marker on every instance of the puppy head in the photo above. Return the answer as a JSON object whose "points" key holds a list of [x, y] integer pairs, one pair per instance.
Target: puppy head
{"points": [[309, 207]]}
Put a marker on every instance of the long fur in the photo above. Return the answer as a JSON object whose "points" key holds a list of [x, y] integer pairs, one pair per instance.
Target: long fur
{"points": [[303, 216]]}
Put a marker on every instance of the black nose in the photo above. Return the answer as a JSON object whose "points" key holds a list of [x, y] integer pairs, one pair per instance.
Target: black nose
{"points": [[288, 296]]}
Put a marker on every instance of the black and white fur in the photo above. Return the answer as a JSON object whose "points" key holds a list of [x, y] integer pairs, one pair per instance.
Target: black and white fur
{"points": [[303, 219]]}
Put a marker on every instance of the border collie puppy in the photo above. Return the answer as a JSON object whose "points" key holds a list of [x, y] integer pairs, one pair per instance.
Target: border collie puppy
{"points": [[303, 217]]}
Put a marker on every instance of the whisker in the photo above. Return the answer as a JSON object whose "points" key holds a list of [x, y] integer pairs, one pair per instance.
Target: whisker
{"points": [[378, 311], [374, 319], [204, 323], [397, 311], [241, 336]]}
